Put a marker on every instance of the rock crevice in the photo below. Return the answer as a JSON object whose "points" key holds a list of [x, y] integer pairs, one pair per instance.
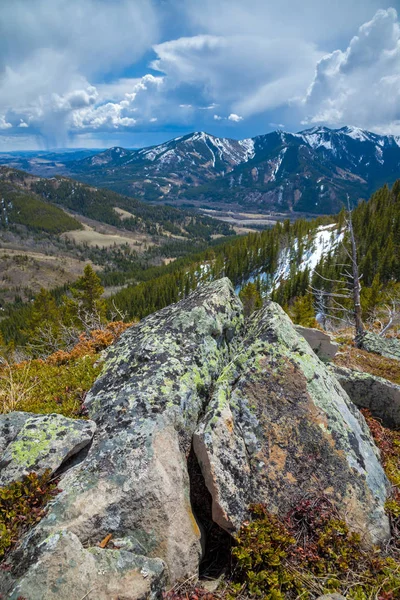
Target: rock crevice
{"points": [[254, 406]]}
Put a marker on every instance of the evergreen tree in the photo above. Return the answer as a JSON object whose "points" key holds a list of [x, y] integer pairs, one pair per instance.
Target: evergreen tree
{"points": [[251, 298]]}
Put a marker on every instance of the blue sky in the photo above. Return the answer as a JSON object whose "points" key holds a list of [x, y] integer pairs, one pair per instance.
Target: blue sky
{"points": [[98, 73]]}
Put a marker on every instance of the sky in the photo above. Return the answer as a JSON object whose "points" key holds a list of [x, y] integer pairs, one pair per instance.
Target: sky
{"points": [[100, 73]]}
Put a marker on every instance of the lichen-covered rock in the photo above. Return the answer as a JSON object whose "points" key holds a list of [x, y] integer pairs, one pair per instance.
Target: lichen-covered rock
{"points": [[268, 423], [279, 427], [147, 404], [64, 570], [40, 442], [380, 396], [371, 342], [321, 342], [10, 424]]}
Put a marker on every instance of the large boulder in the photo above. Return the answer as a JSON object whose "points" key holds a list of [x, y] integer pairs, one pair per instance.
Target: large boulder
{"points": [[134, 481], [380, 396], [39, 443], [388, 347], [320, 342], [266, 419], [279, 427]]}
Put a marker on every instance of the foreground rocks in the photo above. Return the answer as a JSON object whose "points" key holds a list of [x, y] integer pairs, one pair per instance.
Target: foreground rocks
{"points": [[322, 344], [379, 395], [266, 419], [65, 569], [279, 426], [388, 347]]}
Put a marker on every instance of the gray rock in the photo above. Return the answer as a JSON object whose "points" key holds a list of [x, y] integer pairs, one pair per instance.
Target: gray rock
{"points": [[333, 596], [10, 424], [268, 423], [388, 347], [279, 426], [134, 481], [321, 342], [64, 570], [379, 395], [42, 442]]}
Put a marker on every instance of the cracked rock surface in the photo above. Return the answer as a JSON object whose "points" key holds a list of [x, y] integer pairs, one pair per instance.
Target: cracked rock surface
{"points": [[268, 422]]}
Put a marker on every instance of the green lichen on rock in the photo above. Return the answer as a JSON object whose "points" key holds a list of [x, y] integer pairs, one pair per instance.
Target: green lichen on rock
{"points": [[388, 347], [279, 422], [42, 443]]}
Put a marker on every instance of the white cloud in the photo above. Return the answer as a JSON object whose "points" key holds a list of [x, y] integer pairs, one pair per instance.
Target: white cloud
{"points": [[61, 63], [245, 74], [317, 21], [361, 85], [3, 123], [235, 118], [51, 51], [121, 114]]}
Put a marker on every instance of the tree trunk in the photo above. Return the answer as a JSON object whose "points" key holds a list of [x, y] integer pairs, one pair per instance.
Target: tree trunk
{"points": [[356, 283]]}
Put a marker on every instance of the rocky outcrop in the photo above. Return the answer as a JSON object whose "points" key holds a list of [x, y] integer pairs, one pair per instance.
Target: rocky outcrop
{"points": [[266, 419], [147, 404], [279, 426], [320, 342], [388, 347], [380, 396], [39, 443]]}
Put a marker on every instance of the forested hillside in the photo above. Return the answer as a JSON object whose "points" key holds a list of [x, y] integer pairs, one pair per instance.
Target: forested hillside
{"points": [[277, 261], [18, 207], [54, 224], [102, 204]]}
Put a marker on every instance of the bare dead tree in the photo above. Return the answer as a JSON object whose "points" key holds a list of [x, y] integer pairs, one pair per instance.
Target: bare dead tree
{"points": [[356, 279], [386, 316], [332, 304]]}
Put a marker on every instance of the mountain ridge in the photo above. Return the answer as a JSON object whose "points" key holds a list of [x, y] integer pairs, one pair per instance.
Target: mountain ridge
{"points": [[313, 170]]}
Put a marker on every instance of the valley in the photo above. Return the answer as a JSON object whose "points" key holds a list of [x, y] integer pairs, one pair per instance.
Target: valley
{"points": [[51, 228]]}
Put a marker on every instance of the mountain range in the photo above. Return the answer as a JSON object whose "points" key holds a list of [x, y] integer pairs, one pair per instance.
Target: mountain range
{"points": [[310, 171]]}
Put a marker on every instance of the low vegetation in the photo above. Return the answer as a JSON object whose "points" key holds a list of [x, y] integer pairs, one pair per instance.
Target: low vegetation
{"points": [[22, 505], [59, 383]]}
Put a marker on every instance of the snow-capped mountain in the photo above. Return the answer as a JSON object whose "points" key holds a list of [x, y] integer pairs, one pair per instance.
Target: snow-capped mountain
{"points": [[310, 171]]}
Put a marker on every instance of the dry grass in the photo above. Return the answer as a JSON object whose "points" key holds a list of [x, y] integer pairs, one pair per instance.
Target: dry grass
{"points": [[14, 390], [105, 240], [26, 270], [360, 360]]}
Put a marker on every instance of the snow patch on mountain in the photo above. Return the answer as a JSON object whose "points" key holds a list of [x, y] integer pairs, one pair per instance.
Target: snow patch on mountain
{"points": [[278, 164]]}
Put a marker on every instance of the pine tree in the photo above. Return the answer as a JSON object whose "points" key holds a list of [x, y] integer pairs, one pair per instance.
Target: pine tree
{"points": [[251, 298], [88, 289]]}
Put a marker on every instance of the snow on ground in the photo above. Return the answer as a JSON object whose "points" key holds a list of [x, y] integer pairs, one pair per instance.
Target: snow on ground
{"points": [[321, 245]]}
